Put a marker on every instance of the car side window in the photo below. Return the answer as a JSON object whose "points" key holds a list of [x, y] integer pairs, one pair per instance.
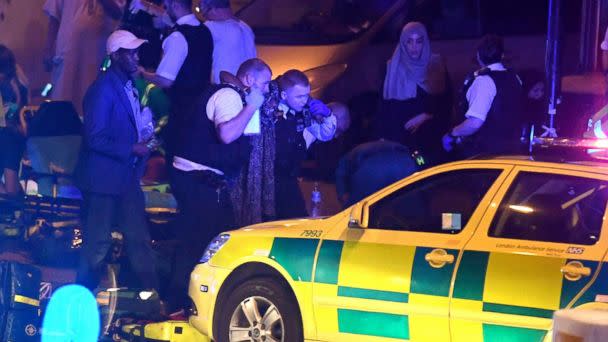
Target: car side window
{"points": [[552, 208], [441, 203]]}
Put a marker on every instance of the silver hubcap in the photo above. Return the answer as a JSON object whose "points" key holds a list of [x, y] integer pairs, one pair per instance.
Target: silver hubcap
{"points": [[256, 319]]}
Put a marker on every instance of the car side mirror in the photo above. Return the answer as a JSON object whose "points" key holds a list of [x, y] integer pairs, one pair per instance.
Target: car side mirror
{"points": [[356, 214]]}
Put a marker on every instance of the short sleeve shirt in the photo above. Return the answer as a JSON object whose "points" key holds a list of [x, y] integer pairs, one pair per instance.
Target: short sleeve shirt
{"points": [[175, 50], [224, 105], [481, 94]]}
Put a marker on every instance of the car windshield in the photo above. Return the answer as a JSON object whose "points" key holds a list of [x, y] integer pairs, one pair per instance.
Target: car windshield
{"points": [[310, 21]]}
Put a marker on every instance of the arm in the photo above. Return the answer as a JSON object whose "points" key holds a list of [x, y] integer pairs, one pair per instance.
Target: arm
{"points": [[232, 129], [156, 79], [175, 51], [51, 39], [480, 97], [468, 127], [114, 8], [230, 126], [323, 130], [97, 133], [323, 126]]}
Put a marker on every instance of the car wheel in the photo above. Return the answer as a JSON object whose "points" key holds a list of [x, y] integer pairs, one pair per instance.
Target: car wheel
{"points": [[260, 310]]}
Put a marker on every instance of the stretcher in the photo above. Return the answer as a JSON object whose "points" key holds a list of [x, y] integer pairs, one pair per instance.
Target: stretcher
{"points": [[168, 331]]}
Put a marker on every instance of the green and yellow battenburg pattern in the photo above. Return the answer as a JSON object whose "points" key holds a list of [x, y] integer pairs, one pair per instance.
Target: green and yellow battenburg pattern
{"points": [[351, 270]]}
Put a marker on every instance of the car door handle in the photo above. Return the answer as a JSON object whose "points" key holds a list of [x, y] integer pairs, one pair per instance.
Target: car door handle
{"points": [[575, 270], [438, 258]]}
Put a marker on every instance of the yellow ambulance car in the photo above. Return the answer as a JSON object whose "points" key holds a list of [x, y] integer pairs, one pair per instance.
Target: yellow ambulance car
{"points": [[477, 250]]}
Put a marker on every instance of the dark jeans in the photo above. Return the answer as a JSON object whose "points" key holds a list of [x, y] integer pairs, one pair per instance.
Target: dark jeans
{"points": [[101, 214], [205, 211]]}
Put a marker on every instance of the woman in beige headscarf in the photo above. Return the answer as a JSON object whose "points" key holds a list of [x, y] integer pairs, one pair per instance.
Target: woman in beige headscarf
{"points": [[414, 99]]}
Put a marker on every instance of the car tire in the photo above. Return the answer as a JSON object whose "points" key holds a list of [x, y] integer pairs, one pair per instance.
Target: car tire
{"points": [[274, 305]]}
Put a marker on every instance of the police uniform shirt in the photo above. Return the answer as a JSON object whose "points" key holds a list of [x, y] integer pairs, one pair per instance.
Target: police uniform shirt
{"points": [[323, 131], [223, 106], [481, 93], [175, 50]]}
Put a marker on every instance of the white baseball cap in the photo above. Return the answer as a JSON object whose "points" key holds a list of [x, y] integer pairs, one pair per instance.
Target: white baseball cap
{"points": [[121, 39], [604, 44]]}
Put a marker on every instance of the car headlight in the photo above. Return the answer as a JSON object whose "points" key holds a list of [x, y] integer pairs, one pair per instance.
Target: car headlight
{"points": [[213, 247]]}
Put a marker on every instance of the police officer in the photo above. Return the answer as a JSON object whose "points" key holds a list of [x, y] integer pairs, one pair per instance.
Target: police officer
{"points": [[209, 153], [300, 121], [185, 68], [491, 107]]}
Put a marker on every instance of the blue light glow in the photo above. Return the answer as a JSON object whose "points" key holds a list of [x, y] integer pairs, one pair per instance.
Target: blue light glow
{"points": [[72, 315]]}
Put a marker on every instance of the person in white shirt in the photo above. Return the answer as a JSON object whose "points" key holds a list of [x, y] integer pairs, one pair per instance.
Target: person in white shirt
{"points": [[233, 39], [493, 105], [185, 68], [211, 150]]}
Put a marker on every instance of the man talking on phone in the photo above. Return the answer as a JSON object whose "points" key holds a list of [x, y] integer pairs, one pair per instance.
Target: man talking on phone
{"points": [[300, 121], [211, 149]]}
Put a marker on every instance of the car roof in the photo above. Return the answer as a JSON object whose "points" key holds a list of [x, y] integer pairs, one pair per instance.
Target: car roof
{"points": [[546, 161]]}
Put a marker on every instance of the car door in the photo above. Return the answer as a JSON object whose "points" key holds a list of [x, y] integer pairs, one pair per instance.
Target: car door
{"points": [[536, 251], [391, 280]]}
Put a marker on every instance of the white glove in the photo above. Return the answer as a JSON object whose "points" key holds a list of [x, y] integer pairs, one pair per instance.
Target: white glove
{"points": [[255, 98]]}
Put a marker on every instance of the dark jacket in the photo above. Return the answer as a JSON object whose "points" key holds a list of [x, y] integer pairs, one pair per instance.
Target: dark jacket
{"points": [[370, 167], [107, 164]]}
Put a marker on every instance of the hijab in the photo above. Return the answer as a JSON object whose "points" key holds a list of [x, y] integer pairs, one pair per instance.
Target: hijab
{"points": [[404, 74]]}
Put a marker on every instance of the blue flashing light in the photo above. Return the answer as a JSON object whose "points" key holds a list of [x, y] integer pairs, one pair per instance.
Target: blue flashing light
{"points": [[72, 315]]}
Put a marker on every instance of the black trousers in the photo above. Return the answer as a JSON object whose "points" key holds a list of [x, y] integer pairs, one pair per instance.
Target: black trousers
{"points": [[101, 215], [289, 201], [205, 211]]}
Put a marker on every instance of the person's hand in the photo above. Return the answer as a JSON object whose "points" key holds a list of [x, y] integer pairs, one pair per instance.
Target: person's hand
{"points": [[413, 124], [448, 142], [255, 98], [141, 149], [318, 108]]}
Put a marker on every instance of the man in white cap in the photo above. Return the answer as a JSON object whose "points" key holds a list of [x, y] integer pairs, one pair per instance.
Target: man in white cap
{"points": [[111, 165]]}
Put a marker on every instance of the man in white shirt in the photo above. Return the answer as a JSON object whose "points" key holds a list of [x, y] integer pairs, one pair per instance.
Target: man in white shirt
{"points": [[233, 39], [493, 106], [210, 151], [185, 68]]}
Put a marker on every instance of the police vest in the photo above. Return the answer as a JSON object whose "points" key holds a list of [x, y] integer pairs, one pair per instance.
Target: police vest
{"points": [[501, 131], [197, 139], [195, 74], [290, 143]]}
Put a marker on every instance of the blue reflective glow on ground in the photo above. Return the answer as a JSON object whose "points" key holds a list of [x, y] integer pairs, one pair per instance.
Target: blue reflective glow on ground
{"points": [[71, 316]]}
